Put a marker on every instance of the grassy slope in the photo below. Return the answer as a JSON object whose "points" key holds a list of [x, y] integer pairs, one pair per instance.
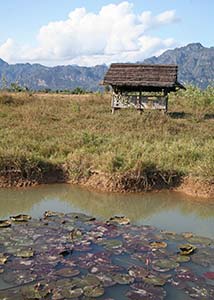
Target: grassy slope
{"points": [[75, 135]]}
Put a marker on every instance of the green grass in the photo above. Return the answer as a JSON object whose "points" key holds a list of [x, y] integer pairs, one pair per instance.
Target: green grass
{"points": [[39, 133]]}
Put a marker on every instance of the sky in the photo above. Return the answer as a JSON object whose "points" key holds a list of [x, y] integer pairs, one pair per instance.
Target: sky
{"points": [[62, 32]]}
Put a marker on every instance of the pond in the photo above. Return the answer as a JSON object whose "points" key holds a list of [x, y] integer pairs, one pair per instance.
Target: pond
{"points": [[165, 210], [151, 254]]}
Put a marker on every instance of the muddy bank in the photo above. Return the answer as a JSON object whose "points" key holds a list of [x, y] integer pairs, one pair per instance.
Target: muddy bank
{"points": [[186, 185], [132, 181]]}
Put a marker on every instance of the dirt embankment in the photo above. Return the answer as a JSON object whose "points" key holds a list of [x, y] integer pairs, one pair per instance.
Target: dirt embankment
{"points": [[133, 181]]}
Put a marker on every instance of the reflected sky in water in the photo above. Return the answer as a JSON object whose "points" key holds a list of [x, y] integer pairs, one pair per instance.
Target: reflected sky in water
{"points": [[166, 210]]}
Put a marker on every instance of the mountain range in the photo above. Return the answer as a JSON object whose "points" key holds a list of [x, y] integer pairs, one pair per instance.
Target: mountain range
{"points": [[195, 62]]}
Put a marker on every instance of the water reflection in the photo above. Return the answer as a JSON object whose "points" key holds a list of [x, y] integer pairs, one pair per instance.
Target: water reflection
{"points": [[171, 211]]}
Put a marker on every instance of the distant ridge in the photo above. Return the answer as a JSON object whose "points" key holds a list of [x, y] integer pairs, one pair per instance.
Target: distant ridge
{"points": [[196, 66], [195, 62]]}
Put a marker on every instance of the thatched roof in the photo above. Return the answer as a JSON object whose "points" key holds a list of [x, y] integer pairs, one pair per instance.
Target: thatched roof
{"points": [[144, 77]]}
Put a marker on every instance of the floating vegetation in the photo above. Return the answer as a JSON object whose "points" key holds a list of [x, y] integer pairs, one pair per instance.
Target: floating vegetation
{"points": [[5, 223], [187, 249], [119, 220], [74, 256], [20, 218]]}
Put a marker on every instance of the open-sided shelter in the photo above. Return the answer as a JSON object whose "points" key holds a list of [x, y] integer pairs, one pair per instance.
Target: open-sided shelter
{"points": [[141, 86]]}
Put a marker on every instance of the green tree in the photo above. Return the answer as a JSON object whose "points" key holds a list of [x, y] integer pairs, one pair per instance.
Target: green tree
{"points": [[3, 82]]}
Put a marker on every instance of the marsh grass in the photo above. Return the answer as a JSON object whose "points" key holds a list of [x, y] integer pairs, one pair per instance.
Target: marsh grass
{"points": [[42, 133]]}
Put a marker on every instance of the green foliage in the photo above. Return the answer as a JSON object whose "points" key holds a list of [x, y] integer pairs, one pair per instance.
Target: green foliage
{"points": [[3, 82], [15, 87], [78, 91]]}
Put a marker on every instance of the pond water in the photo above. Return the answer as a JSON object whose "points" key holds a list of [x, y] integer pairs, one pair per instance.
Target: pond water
{"points": [[165, 210], [73, 256]]}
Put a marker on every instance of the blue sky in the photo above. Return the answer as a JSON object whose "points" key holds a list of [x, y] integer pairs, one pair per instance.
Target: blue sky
{"points": [[21, 22]]}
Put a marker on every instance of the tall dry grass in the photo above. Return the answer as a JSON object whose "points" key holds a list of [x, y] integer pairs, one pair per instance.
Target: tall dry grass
{"points": [[39, 133]]}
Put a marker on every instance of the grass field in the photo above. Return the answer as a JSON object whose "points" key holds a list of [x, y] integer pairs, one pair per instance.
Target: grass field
{"points": [[42, 135]]}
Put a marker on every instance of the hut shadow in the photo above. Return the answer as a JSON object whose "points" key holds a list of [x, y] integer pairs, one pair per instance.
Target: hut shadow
{"points": [[179, 115], [184, 115], [209, 116]]}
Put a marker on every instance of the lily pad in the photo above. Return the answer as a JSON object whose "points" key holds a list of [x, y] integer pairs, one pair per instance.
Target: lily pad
{"points": [[123, 278], [200, 240], [112, 244], [3, 259], [187, 249], [72, 293], [20, 218], [209, 275], [182, 258], [107, 281], [138, 272], [158, 244], [93, 292], [67, 272], [144, 291], [25, 253], [5, 223], [50, 213], [88, 280], [119, 220], [164, 265], [81, 217], [187, 235], [35, 292], [200, 292], [154, 280]]}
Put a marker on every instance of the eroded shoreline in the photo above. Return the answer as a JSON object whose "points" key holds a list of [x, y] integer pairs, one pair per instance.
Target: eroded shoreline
{"points": [[127, 183]]}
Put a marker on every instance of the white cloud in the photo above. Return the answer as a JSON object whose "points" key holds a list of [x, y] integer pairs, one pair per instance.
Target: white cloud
{"points": [[6, 49], [115, 33]]}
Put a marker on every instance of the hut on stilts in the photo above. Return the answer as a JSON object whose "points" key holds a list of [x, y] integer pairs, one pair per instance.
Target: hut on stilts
{"points": [[141, 86]]}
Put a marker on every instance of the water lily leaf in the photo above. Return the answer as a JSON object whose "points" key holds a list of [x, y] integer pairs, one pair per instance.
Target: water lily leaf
{"points": [[88, 280], [10, 295], [144, 291], [123, 278], [81, 217], [106, 280], [93, 292], [182, 258], [20, 218], [38, 291], [187, 249], [154, 280], [187, 235], [200, 292], [209, 275], [25, 253], [67, 272], [64, 282], [72, 293], [119, 220], [112, 244], [75, 234], [50, 213], [3, 259], [200, 240], [138, 272], [201, 259], [5, 223], [164, 265], [158, 244]]}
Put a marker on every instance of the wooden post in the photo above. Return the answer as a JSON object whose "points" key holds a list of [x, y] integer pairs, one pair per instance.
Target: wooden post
{"points": [[140, 102], [166, 98]]}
